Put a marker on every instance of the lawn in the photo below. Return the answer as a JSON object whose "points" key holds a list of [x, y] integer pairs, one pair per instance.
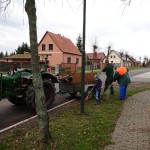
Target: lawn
{"points": [[70, 129]]}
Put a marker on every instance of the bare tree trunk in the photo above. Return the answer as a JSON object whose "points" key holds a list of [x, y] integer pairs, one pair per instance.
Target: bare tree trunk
{"points": [[42, 114], [108, 51]]}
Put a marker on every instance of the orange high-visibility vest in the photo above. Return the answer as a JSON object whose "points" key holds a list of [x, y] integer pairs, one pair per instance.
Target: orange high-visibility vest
{"points": [[121, 70]]}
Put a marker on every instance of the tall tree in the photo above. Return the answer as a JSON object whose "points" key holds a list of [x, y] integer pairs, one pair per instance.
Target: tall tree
{"points": [[126, 56], [42, 114], [94, 46], [6, 54], [37, 80], [121, 54], [1, 54], [79, 43], [108, 51], [23, 48], [12, 53]]}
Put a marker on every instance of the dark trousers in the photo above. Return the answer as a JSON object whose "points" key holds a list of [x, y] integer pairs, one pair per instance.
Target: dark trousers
{"points": [[108, 82]]}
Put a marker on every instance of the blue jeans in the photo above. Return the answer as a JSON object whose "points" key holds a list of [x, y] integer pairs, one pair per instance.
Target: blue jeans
{"points": [[122, 92], [97, 95]]}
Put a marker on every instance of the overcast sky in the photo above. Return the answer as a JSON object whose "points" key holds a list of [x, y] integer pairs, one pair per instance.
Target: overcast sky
{"points": [[105, 23]]}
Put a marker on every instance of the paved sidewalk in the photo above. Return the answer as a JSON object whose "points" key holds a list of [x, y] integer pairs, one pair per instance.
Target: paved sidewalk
{"points": [[132, 131]]}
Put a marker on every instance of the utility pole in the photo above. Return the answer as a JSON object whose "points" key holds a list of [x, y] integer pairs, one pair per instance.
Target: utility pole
{"points": [[83, 60]]}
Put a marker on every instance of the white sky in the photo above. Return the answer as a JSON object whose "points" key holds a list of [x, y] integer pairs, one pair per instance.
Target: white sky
{"points": [[129, 32]]}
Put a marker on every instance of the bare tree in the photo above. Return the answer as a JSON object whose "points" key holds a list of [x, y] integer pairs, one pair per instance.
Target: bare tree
{"points": [[126, 3], [42, 114], [94, 45], [108, 51], [121, 54], [140, 59], [126, 56]]}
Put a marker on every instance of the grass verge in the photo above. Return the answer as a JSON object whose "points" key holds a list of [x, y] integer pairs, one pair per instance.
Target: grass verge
{"points": [[71, 130]]}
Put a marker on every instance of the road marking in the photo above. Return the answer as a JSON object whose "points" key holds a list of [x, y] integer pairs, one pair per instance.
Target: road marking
{"points": [[21, 122]]}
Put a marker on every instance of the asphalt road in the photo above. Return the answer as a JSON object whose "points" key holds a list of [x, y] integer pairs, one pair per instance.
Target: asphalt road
{"points": [[11, 114]]}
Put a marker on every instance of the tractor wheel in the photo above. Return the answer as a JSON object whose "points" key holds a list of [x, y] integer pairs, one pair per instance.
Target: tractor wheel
{"points": [[49, 92], [17, 99], [30, 97], [13, 101]]}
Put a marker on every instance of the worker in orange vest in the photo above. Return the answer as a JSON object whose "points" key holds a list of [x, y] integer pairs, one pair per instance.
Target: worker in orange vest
{"points": [[123, 79]]}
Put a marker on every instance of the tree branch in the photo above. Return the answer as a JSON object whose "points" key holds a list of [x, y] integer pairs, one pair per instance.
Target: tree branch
{"points": [[126, 3], [4, 4]]}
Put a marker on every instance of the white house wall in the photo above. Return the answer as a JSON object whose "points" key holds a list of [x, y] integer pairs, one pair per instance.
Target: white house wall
{"points": [[116, 59]]}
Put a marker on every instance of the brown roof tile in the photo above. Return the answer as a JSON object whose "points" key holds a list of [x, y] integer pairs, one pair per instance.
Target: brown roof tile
{"points": [[99, 55], [19, 56], [64, 44]]}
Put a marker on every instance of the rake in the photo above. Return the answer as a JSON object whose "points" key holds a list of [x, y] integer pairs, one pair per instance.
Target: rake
{"points": [[88, 94]]}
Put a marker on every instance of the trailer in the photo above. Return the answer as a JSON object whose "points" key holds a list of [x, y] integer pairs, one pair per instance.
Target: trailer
{"points": [[71, 83]]}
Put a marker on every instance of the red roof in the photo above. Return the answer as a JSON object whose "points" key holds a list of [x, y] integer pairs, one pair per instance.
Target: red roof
{"points": [[63, 43], [99, 55]]}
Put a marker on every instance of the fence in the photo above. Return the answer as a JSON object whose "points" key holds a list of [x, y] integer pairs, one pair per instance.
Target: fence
{"points": [[6, 66]]}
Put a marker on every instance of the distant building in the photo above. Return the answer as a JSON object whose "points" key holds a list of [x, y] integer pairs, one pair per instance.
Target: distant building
{"points": [[95, 59], [26, 57], [121, 59]]}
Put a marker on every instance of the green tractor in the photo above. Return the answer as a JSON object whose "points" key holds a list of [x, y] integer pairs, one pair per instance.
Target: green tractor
{"points": [[18, 87]]}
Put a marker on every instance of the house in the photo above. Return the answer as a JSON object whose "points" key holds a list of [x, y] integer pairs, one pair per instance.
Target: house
{"points": [[134, 63], [22, 61], [95, 59], [118, 58], [57, 50], [26, 57], [122, 59]]}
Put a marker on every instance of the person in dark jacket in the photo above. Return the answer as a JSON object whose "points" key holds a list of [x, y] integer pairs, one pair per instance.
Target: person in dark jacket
{"points": [[109, 70], [123, 81], [97, 87]]}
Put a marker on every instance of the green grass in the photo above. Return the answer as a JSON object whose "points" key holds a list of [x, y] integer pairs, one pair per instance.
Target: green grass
{"points": [[71, 130]]}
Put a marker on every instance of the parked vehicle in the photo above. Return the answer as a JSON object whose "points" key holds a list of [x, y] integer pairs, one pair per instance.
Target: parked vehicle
{"points": [[18, 87], [71, 83]]}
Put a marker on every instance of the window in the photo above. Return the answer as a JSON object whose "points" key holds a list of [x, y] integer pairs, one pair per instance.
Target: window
{"points": [[68, 60], [111, 56], [43, 47], [50, 46], [77, 60], [114, 56]]}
